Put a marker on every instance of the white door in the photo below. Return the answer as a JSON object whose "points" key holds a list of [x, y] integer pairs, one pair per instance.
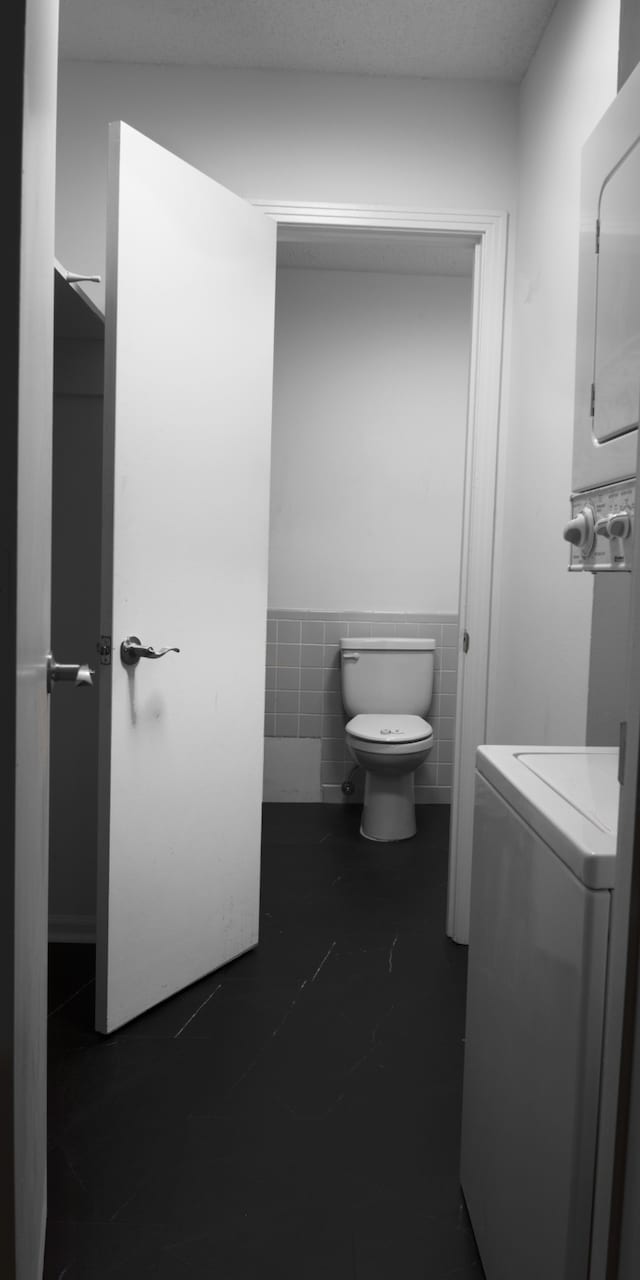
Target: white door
{"points": [[188, 388]]}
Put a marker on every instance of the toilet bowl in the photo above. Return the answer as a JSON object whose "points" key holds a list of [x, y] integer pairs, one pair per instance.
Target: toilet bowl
{"points": [[390, 749], [387, 682]]}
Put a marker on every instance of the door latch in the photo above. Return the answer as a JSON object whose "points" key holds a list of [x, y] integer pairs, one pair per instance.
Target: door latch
{"points": [[103, 647], [465, 642]]}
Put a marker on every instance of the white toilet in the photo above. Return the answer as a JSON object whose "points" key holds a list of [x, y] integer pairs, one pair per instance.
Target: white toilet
{"points": [[387, 685]]}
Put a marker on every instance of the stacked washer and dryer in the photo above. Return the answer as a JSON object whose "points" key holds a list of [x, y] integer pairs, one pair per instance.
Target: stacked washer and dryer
{"points": [[545, 827]]}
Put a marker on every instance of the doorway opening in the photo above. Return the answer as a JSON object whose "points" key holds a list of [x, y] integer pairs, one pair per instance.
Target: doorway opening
{"points": [[371, 377], [321, 229]]}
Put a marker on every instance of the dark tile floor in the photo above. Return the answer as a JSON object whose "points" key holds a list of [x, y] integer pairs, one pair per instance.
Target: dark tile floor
{"points": [[296, 1114]]}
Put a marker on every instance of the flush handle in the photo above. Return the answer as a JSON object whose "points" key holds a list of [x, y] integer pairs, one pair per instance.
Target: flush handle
{"points": [[349, 655], [132, 650], [68, 672]]}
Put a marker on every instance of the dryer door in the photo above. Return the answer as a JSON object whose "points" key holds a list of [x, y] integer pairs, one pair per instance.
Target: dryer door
{"points": [[616, 373], [607, 391]]}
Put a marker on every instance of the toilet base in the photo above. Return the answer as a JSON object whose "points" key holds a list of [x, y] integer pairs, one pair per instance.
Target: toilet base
{"points": [[389, 811]]}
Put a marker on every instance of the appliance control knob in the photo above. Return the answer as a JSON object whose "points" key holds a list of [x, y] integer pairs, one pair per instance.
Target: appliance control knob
{"points": [[619, 524], [580, 531]]}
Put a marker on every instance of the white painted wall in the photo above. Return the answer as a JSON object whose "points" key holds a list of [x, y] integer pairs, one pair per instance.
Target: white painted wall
{"points": [[369, 426], [281, 136], [541, 636]]}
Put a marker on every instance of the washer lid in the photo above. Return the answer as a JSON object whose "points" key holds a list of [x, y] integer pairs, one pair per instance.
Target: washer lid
{"points": [[569, 795], [588, 782], [389, 728]]}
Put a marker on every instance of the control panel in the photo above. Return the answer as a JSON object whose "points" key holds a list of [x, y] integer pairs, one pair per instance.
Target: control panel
{"points": [[600, 531]]}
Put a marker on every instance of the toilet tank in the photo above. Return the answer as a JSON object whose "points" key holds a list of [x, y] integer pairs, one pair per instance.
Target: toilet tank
{"points": [[386, 675]]}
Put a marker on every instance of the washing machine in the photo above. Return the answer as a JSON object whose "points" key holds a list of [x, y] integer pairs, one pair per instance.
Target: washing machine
{"points": [[543, 869]]}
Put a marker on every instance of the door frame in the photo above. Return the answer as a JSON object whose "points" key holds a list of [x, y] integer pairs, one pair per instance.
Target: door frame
{"points": [[25, 579], [615, 1238], [477, 587]]}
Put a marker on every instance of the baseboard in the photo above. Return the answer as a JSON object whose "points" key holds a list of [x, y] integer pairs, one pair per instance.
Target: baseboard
{"points": [[433, 795], [333, 794], [72, 928]]}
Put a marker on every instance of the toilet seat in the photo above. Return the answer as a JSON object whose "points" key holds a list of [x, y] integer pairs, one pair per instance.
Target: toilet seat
{"points": [[390, 730]]}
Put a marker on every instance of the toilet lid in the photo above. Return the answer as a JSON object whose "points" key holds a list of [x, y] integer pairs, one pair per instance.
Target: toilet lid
{"points": [[389, 728]]}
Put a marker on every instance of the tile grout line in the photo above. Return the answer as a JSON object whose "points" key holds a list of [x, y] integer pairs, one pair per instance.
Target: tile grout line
{"points": [[70, 998], [200, 1006], [324, 960]]}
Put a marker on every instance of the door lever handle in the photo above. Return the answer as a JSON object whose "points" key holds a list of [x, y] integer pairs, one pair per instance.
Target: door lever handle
{"points": [[131, 651]]}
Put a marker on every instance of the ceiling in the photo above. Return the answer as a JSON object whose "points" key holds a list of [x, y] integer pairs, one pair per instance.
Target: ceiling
{"points": [[470, 39]]}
